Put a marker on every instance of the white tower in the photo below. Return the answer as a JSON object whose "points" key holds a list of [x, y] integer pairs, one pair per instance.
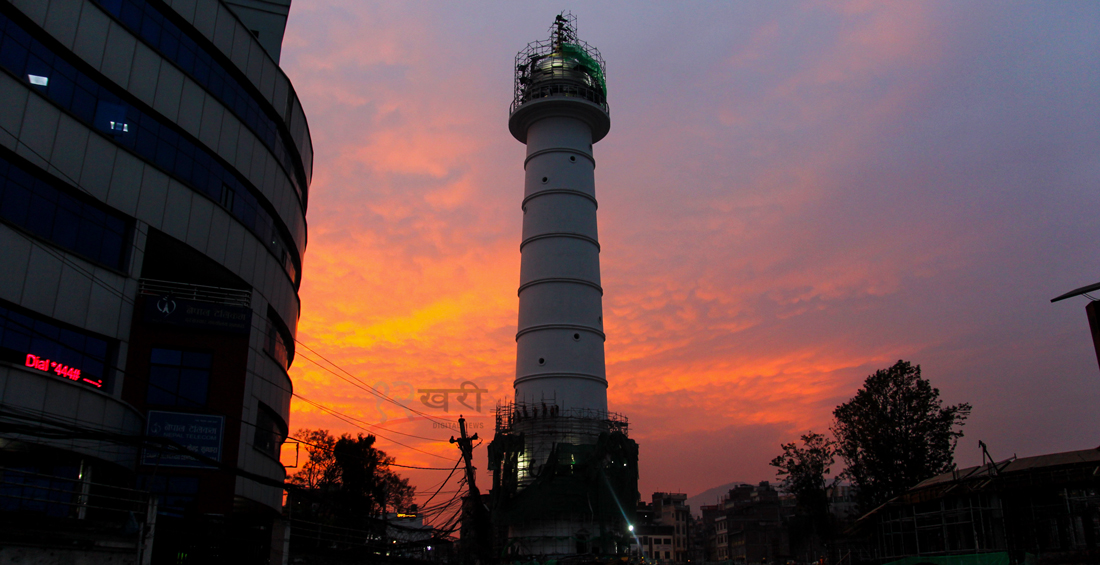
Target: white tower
{"points": [[565, 474], [559, 111]]}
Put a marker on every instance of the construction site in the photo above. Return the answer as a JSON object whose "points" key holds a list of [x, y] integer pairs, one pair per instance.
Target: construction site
{"points": [[564, 481]]}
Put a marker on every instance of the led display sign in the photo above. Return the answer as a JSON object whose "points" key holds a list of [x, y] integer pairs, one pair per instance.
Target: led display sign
{"points": [[60, 369]]}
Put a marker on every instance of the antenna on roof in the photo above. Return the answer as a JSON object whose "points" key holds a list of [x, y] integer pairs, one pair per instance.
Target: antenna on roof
{"points": [[993, 469]]}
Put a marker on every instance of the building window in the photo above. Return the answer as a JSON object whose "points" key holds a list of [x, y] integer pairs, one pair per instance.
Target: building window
{"points": [[146, 21], [47, 489], [178, 378], [100, 104], [38, 205], [174, 494], [271, 432], [277, 341], [40, 344]]}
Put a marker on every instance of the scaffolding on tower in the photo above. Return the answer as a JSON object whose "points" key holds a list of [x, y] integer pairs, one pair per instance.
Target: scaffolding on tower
{"points": [[550, 464], [562, 65]]}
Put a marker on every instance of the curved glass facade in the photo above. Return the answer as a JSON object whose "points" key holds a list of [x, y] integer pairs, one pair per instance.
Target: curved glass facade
{"points": [[143, 152], [94, 101], [147, 22], [36, 204], [43, 345]]}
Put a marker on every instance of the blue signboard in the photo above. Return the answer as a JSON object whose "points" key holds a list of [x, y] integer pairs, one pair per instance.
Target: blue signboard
{"points": [[198, 433]]}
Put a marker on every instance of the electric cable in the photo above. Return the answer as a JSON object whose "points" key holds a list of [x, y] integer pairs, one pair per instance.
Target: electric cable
{"points": [[119, 294]]}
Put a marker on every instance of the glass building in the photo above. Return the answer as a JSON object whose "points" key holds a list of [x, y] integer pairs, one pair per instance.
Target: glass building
{"points": [[155, 165]]}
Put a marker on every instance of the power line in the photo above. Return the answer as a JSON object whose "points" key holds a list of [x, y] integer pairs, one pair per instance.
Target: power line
{"points": [[372, 391], [338, 414], [355, 381], [230, 417], [444, 483], [119, 294], [330, 450], [351, 421], [362, 384]]}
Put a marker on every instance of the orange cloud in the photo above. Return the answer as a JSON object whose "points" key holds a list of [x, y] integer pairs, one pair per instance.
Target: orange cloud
{"points": [[787, 214]]}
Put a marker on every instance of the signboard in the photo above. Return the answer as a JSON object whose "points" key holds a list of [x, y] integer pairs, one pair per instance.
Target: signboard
{"points": [[199, 433], [60, 369], [45, 365], [198, 315]]}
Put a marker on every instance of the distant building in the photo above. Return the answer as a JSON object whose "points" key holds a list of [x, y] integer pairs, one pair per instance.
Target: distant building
{"points": [[412, 536], [721, 538], [1046, 506], [842, 502], [154, 173], [707, 531], [655, 544], [671, 509], [654, 541], [746, 526]]}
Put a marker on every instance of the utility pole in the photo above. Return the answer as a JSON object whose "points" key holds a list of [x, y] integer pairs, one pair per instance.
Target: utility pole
{"points": [[475, 540], [466, 445]]}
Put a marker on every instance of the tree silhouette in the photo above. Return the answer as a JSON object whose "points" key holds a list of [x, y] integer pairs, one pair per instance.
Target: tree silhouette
{"points": [[319, 471], [802, 471], [895, 433], [368, 487], [347, 478]]}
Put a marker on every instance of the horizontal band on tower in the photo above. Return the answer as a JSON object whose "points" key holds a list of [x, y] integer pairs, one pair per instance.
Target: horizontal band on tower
{"points": [[549, 191], [541, 327], [537, 376], [558, 150], [581, 237], [560, 280]]}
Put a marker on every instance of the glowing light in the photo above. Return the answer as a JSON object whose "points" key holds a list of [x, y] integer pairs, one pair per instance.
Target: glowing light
{"points": [[38, 81], [60, 369]]}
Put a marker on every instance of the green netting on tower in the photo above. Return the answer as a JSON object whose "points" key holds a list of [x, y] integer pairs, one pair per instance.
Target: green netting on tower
{"points": [[586, 63], [561, 66]]}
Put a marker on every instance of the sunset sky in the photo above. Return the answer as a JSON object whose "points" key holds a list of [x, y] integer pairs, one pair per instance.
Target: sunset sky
{"points": [[792, 196]]}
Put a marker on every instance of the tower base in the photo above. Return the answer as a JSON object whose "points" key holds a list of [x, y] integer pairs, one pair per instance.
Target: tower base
{"points": [[564, 482]]}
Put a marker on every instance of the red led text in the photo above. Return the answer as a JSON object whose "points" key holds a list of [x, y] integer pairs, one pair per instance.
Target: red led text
{"points": [[36, 362]]}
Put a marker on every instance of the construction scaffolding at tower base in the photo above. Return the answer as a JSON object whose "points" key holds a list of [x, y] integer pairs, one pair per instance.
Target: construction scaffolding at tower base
{"points": [[565, 482]]}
